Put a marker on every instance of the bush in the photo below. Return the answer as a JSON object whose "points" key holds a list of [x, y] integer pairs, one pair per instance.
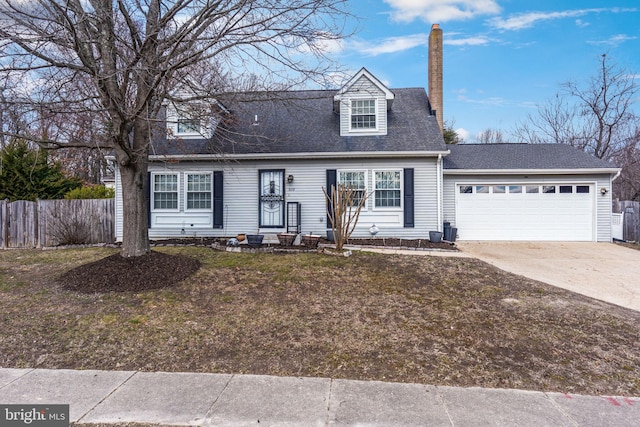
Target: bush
{"points": [[26, 173], [91, 192], [71, 231]]}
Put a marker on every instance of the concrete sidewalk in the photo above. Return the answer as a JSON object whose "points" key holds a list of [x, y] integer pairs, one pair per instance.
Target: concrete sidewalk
{"points": [[251, 400]]}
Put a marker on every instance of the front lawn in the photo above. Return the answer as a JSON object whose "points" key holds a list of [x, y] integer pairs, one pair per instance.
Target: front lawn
{"points": [[442, 321]]}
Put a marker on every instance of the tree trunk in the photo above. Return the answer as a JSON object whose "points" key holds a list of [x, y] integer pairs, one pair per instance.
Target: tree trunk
{"points": [[135, 222]]}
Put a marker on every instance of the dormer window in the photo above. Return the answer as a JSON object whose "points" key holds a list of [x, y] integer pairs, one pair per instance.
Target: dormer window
{"points": [[363, 104], [363, 114], [189, 126]]}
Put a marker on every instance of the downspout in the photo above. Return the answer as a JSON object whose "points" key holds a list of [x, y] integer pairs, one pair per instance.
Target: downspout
{"points": [[439, 191]]}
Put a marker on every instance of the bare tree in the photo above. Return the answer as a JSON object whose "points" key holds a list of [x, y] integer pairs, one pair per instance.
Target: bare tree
{"points": [[597, 118], [344, 205], [490, 136], [119, 61]]}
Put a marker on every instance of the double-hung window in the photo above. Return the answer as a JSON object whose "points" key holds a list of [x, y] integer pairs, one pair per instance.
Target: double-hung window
{"points": [[189, 126], [165, 191], [363, 114], [355, 180], [198, 191], [388, 193]]}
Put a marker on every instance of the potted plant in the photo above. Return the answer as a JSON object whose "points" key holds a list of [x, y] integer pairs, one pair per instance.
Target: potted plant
{"points": [[254, 239], [286, 239], [310, 240]]}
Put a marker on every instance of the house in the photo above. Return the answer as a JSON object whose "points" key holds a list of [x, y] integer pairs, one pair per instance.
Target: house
{"points": [[259, 166]]}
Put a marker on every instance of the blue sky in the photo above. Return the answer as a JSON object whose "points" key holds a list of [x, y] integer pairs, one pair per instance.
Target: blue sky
{"points": [[501, 57]]}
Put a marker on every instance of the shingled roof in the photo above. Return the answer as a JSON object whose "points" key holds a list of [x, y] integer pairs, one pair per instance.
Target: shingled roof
{"points": [[304, 122], [520, 156]]}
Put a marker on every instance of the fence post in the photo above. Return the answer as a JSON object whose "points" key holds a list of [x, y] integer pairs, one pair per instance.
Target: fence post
{"points": [[4, 223]]}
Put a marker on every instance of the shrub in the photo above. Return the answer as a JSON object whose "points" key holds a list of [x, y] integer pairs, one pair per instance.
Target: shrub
{"points": [[91, 192]]}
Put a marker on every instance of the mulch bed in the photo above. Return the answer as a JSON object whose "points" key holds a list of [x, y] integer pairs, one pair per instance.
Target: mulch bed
{"points": [[158, 270], [377, 241], [118, 274]]}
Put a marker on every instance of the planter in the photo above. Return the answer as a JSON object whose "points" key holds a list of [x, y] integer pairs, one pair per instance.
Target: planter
{"points": [[255, 239], [435, 236], [286, 239], [310, 240], [241, 237]]}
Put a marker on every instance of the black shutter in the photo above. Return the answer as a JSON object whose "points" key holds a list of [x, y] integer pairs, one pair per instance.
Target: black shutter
{"points": [[148, 196], [218, 200], [332, 182], [408, 198]]}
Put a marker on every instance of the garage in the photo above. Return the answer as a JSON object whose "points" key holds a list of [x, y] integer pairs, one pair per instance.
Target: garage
{"points": [[533, 211]]}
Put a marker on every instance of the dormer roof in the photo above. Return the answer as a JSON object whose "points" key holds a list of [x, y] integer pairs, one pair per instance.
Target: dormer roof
{"points": [[348, 87]]}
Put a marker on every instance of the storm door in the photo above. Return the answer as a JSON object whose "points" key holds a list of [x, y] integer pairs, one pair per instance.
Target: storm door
{"points": [[272, 198]]}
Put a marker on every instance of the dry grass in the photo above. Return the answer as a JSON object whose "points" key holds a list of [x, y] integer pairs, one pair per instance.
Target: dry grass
{"points": [[450, 321]]}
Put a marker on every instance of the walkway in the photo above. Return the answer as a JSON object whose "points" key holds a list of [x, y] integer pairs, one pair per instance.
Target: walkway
{"points": [[249, 400]]}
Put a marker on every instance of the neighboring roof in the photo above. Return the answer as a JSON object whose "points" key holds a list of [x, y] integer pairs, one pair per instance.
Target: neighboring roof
{"points": [[511, 157], [304, 122]]}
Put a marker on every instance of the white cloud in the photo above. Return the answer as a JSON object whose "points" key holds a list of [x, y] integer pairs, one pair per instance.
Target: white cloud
{"points": [[434, 11], [529, 19], [613, 40], [463, 133], [391, 44], [467, 41], [580, 23]]}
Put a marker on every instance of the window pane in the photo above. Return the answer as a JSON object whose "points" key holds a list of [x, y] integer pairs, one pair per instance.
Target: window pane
{"points": [[582, 189], [165, 191], [499, 189], [387, 192], [353, 180], [199, 191], [548, 188], [515, 189], [466, 189], [188, 126], [482, 189], [566, 189], [533, 189], [363, 114]]}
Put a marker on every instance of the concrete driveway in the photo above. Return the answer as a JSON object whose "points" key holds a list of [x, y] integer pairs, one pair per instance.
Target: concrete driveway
{"points": [[604, 271]]}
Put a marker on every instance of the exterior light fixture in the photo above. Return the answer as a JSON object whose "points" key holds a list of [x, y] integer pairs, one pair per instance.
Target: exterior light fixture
{"points": [[290, 179], [603, 191]]}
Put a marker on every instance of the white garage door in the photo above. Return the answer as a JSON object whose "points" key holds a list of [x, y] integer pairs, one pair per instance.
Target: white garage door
{"points": [[561, 212]]}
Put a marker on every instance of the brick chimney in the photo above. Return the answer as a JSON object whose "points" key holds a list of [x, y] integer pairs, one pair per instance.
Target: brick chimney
{"points": [[435, 72]]}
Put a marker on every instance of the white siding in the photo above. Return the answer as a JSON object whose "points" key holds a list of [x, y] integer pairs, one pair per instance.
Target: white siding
{"points": [[363, 88], [602, 214], [241, 197]]}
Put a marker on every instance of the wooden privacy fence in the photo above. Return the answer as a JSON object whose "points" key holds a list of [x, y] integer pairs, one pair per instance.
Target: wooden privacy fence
{"points": [[631, 221], [46, 223]]}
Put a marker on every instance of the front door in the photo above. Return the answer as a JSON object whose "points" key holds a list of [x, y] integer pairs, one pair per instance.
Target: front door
{"points": [[272, 198]]}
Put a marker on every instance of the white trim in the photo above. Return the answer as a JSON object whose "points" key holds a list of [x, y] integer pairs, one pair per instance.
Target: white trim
{"points": [[152, 192], [366, 179], [186, 191], [364, 72], [301, 156], [375, 114], [401, 189], [528, 171]]}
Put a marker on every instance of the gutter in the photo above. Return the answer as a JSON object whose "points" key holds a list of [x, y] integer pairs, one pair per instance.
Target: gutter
{"points": [[301, 156], [530, 171], [439, 191]]}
